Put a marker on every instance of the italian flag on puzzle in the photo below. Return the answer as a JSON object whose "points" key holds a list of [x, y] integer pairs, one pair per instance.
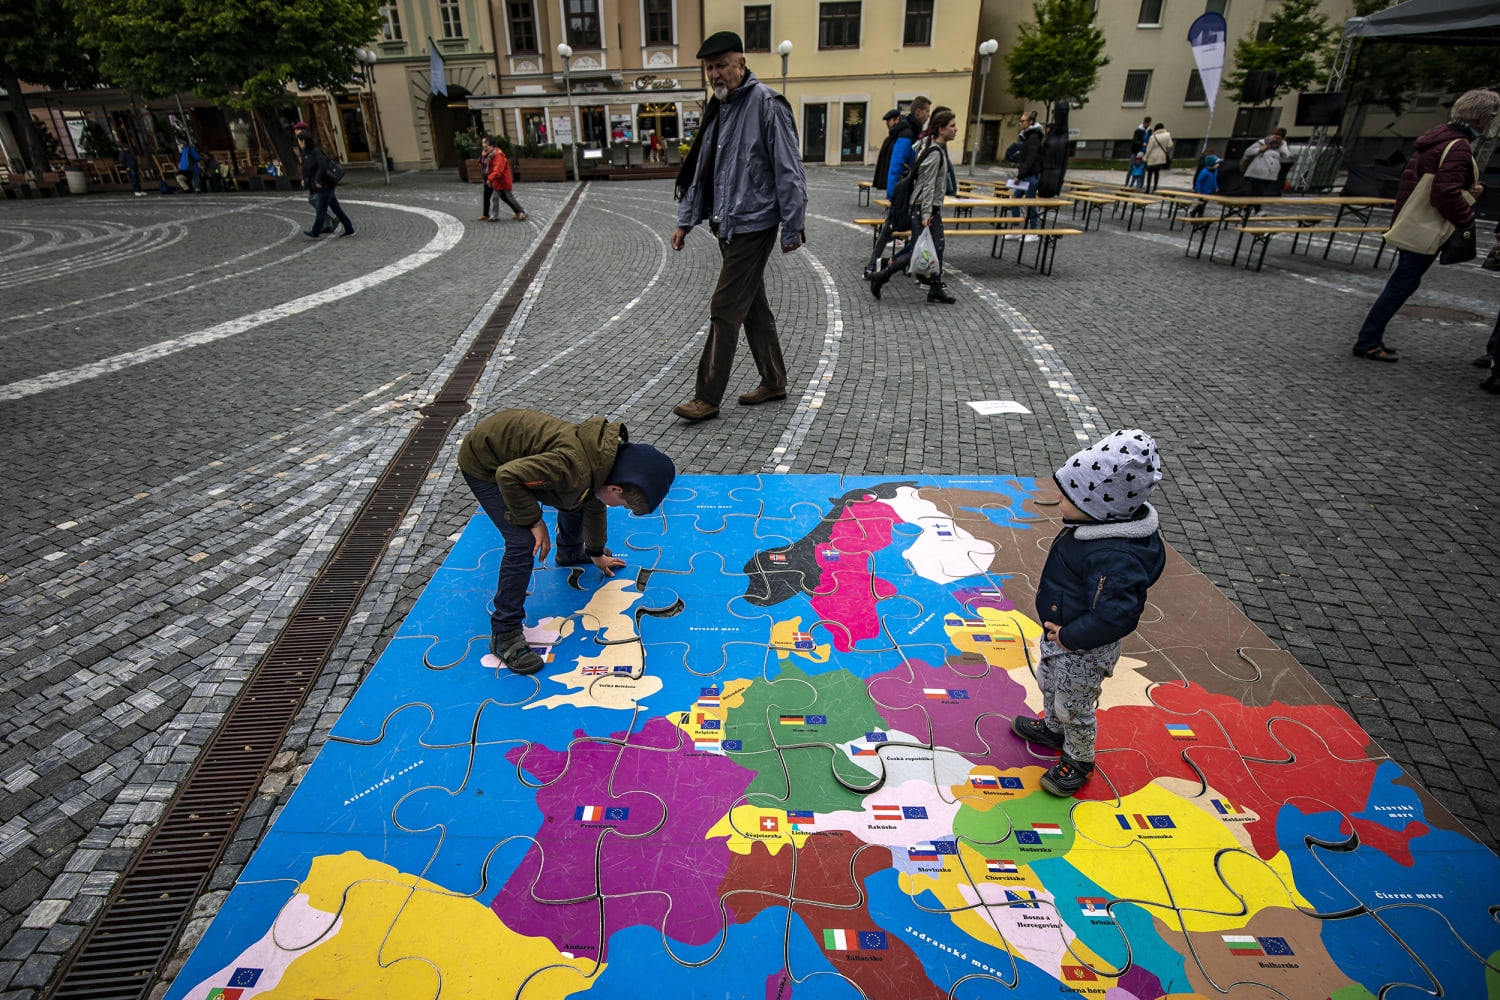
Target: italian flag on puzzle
{"points": [[841, 940]]}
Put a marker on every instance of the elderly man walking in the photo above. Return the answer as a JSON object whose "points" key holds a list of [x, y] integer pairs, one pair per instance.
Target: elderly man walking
{"points": [[744, 177]]}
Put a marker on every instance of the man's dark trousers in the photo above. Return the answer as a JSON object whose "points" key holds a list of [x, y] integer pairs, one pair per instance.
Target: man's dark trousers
{"points": [[515, 565], [740, 299], [1398, 288], [329, 202]]}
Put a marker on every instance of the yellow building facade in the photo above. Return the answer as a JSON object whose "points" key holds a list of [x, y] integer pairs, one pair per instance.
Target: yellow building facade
{"points": [[853, 61]]}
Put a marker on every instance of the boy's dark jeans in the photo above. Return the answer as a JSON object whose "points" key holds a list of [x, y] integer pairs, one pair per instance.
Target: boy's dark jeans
{"points": [[515, 566], [329, 202]]}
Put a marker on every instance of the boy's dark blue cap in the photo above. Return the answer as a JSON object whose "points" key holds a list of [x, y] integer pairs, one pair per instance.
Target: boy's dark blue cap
{"points": [[645, 468]]}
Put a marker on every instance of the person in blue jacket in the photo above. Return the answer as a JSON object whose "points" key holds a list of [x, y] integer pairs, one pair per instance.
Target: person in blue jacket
{"points": [[1091, 594], [903, 152], [1207, 182]]}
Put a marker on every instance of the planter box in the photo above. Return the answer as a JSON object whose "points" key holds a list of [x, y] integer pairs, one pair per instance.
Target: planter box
{"points": [[539, 168], [78, 181], [471, 171]]}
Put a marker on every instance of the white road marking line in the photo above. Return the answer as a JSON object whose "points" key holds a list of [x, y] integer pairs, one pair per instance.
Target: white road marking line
{"points": [[695, 341], [450, 231], [781, 457]]}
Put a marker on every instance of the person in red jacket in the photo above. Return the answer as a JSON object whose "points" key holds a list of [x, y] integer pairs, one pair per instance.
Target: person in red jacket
{"points": [[497, 178], [1446, 153]]}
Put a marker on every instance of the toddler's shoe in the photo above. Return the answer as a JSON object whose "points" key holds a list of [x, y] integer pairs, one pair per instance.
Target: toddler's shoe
{"points": [[1067, 776], [515, 652], [1036, 731]]}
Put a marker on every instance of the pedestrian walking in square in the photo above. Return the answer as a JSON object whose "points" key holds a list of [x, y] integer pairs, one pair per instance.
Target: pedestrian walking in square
{"points": [[743, 176], [499, 181], [321, 176], [927, 193], [1445, 155], [1207, 182], [1158, 155], [517, 461], [1091, 594]]}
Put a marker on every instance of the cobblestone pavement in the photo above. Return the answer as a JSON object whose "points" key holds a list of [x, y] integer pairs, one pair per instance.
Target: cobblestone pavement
{"points": [[195, 398]]}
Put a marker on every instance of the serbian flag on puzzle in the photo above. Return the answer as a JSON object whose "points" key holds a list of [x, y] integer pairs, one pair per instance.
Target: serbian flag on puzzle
{"points": [[1093, 906], [887, 813]]}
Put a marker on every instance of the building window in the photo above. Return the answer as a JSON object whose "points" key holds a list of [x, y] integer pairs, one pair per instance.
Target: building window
{"points": [[658, 22], [1137, 85], [1216, 7], [453, 24], [522, 16], [1195, 92], [758, 28], [838, 26], [1150, 16], [390, 23], [583, 24], [918, 22]]}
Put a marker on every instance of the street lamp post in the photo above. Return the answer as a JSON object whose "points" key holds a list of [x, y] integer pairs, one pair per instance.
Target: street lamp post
{"points": [[987, 48], [367, 59], [785, 48], [566, 52]]}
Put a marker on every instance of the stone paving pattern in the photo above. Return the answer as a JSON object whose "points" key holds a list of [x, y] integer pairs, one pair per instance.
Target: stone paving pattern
{"points": [[167, 517]]}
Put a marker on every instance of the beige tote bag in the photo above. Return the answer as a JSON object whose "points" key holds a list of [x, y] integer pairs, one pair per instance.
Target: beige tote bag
{"points": [[1420, 227]]}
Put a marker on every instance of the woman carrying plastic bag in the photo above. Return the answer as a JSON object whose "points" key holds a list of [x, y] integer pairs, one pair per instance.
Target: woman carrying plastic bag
{"points": [[925, 253]]}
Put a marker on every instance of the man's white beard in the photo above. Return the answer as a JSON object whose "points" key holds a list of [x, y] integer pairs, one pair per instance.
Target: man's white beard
{"points": [[721, 91]]}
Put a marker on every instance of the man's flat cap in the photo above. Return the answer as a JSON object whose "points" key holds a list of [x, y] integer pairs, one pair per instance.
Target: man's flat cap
{"points": [[719, 43], [893, 113]]}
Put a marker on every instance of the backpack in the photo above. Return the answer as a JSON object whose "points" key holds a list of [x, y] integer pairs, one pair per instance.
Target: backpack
{"points": [[900, 208], [1013, 152], [333, 172]]}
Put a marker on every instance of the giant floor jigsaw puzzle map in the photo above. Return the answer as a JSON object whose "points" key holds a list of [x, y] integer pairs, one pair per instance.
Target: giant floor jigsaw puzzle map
{"points": [[772, 759]]}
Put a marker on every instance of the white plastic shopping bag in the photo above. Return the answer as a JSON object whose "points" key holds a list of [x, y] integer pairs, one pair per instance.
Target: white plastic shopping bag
{"points": [[924, 258]]}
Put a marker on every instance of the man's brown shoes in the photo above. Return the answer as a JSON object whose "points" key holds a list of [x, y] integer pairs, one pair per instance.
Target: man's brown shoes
{"points": [[696, 409], [762, 394]]}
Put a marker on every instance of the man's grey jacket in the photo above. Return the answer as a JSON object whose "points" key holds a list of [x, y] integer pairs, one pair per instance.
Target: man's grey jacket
{"points": [[758, 179]]}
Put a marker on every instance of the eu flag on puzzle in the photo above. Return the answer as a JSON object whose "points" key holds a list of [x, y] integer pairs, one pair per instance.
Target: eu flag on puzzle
{"points": [[244, 977], [709, 724], [914, 812], [945, 846], [732, 744], [1009, 781], [817, 720], [1028, 837], [958, 694], [1275, 945], [875, 738], [872, 941]]}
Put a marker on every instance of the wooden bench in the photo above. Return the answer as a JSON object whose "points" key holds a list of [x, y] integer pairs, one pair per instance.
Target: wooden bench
{"points": [[1261, 236], [1093, 203], [1200, 223], [863, 189]]}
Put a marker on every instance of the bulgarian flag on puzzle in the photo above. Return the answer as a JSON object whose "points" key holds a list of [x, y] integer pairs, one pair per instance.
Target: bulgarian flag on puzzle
{"points": [[1242, 944]]}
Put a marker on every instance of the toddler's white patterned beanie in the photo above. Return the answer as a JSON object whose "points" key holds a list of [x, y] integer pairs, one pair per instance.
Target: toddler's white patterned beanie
{"points": [[1111, 479]]}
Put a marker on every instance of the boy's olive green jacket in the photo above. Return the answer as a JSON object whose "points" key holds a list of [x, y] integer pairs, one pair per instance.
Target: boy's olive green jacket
{"points": [[538, 459]]}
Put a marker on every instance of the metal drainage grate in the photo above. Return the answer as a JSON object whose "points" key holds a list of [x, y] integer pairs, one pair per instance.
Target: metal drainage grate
{"points": [[1438, 313], [133, 934]]}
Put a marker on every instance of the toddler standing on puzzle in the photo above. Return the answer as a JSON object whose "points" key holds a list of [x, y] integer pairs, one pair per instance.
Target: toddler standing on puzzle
{"points": [[1091, 593]]}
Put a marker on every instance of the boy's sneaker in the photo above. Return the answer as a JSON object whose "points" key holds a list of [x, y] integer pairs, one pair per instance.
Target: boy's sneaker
{"points": [[1036, 731], [575, 557], [1067, 776], [515, 652]]}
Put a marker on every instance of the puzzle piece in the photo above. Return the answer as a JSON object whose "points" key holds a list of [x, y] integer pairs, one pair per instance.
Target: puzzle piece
{"points": [[774, 755]]}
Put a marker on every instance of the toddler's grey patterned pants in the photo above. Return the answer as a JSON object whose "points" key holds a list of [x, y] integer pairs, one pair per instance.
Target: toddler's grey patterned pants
{"points": [[1071, 681]]}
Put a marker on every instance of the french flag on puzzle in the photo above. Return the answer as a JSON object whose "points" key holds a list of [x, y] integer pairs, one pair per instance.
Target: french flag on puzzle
{"points": [[588, 814]]}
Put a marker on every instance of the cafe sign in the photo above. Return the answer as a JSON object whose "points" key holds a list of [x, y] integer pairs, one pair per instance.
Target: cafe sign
{"points": [[656, 83]]}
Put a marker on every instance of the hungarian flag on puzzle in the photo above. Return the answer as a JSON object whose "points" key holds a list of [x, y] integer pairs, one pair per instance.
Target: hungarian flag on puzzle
{"points": [[1047, 829]]}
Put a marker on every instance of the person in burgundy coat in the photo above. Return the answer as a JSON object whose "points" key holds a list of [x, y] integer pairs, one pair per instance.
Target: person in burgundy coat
{"points": [[1446, 153]]}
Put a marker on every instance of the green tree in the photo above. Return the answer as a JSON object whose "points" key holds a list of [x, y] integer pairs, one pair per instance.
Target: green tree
{"points": [[1058, 57], [1296, 44], [39, 43], [242, 53]]}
